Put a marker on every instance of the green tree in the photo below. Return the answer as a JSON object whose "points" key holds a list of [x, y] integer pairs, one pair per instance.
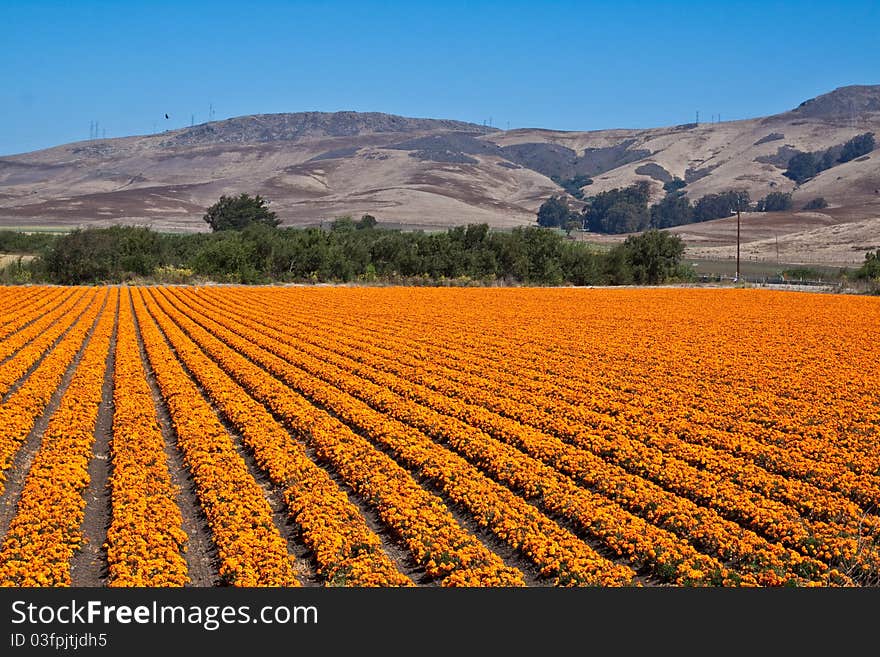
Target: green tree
{"points": [[96, 255], [674, 185], [674, 210], [230, 257], [801, 167], [718, 206], [654, 256], [775, 202], [826, 161], [857, 146], [817, 203], [870, 269], [619, 210], [343, 224], [554, 213], [238, 212]]}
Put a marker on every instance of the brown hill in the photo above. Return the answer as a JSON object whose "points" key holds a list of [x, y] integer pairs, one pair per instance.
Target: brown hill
{"points": [[429, 173]]}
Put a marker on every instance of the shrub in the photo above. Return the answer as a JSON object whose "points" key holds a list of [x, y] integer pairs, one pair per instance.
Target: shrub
{"points": [[775, 202], [654, 256]]}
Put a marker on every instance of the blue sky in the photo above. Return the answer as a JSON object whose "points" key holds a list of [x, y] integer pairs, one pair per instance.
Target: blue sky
{"points": [[561, 65]]}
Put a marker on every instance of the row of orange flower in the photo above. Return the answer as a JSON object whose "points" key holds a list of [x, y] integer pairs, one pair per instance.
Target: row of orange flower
{"points": [[694, 433], [15, 300], [839, 540], [44, 314], [717, 422], [701, 525], [834, 447], [694, 485], [480, 379], [346, 550], [555, 551], [817, 538], [19, 412], [417, 517], [46, 529], [30, 343], [775, 566], [251, 550], [145, 539], [21, 309], [621, 532]]}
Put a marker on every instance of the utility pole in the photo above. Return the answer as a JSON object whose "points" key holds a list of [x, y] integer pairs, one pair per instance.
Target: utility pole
{"points": [[737, 243]]}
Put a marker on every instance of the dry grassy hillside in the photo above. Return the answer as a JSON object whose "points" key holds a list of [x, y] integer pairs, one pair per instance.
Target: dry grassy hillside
{"points": [[434, 173]]}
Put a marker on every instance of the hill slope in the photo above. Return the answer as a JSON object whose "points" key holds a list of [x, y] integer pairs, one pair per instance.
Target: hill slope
{"points": [[315, 166]]}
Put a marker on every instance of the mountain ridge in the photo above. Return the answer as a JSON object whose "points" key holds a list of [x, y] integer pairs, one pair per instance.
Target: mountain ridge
{"points": [[429, 173]]}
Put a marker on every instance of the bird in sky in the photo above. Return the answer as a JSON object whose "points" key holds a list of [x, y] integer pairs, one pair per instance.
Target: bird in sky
{"points": [[166, 116]]}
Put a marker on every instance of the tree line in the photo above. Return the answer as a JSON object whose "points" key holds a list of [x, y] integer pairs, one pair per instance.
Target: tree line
{"points": [[803, 166], [626, 209], [246, 245]]}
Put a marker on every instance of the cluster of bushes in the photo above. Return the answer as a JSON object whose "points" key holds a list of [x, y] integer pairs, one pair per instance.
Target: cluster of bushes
{"points": [[870, 269], [351, 251], [803, 166], [18, 242], [817, 203], [626, 210], [774, 202], [622, 210]]}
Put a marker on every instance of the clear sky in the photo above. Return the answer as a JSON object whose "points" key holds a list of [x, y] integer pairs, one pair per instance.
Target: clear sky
{"points": [[561, 65]]}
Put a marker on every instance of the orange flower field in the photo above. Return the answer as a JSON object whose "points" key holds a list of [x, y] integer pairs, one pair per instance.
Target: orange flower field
{"points": [[369, 436]]}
